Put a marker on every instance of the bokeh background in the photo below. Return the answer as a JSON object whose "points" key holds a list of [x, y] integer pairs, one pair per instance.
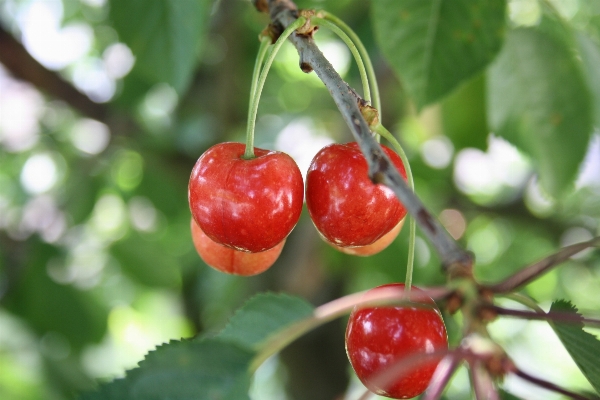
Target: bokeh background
{"points": [[97, 265]]}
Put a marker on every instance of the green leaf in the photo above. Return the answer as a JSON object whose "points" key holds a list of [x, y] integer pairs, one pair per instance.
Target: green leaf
{"points": [[81, 194], [583, 347], [164, 185], [538, 100], [115, 390], [434, 45], [464, 115], [209, 369], [48, 306], [135, 88], [590, 55], [147, 261], [262, 316], [164, 35]]}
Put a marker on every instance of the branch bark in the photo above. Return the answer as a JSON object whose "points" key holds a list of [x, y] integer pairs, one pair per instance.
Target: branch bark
{"points": [[455, 260], [549, 385], [564, 317], [530, 273], [23, 66]]}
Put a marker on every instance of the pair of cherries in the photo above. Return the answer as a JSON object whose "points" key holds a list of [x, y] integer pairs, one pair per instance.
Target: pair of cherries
{"points": [[244, 209]]}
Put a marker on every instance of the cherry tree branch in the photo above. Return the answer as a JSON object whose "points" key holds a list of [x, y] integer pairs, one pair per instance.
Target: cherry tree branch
{"points": [[533, 271], [441, 377], [548, 385], [555, 316], [23, 66], [484, 386], [343, 305], [455, 260]]}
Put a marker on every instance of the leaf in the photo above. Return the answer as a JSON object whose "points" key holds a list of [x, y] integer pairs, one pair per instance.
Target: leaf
{"points": [[209, 369], [262, 316], [434, 45], [48, 306], [164, 36], [81, 194], [538, 100], [115, 390], [164, 185], [464, 115], [590, 55], [583, 347], [147, 261]]}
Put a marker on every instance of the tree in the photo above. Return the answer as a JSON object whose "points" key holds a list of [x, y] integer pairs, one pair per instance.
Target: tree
{"points": [[495, 104]]}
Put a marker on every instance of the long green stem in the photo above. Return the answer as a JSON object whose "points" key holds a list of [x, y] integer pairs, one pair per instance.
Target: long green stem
{"points": [[265, 41], [249, 153], [353, 49], [383, 132], [365, 56]]}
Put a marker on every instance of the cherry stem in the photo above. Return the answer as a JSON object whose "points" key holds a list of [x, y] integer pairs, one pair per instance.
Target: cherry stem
{"points": [[548, 385], [332, 26], [554, 316], [255, 96], [265, 42], [383, 132], [534, 271], [525, 300], [365, 57]]}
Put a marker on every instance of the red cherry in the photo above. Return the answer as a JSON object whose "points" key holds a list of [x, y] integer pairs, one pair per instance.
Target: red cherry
{"points": [[347, 208], [379, 337], [247, 205], [231, 261]]}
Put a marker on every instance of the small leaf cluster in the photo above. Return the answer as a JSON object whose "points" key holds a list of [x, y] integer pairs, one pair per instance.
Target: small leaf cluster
{"points": [[216, 367]]}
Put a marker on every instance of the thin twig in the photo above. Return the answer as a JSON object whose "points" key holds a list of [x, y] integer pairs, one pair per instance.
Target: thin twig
{"points": [[381, 170], [484, 387], [556, 316], [341, 306], [380, 297], [548, 385], [530, 273], [23, 66], [441, 377]]}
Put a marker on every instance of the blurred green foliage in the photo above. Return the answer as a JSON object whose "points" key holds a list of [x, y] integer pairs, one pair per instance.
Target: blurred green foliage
{"points": [[97, 266]]}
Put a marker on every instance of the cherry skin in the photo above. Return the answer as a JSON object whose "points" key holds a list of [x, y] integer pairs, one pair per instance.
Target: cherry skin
{"points": [[374, 247], [350, 211], [232, 261], [248, 205], [379, 337]]}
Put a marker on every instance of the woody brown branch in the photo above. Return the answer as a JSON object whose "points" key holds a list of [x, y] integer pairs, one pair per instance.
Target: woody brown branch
{"points": [[23, 66], [455, 260], [534, 271], [555, 316]]}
